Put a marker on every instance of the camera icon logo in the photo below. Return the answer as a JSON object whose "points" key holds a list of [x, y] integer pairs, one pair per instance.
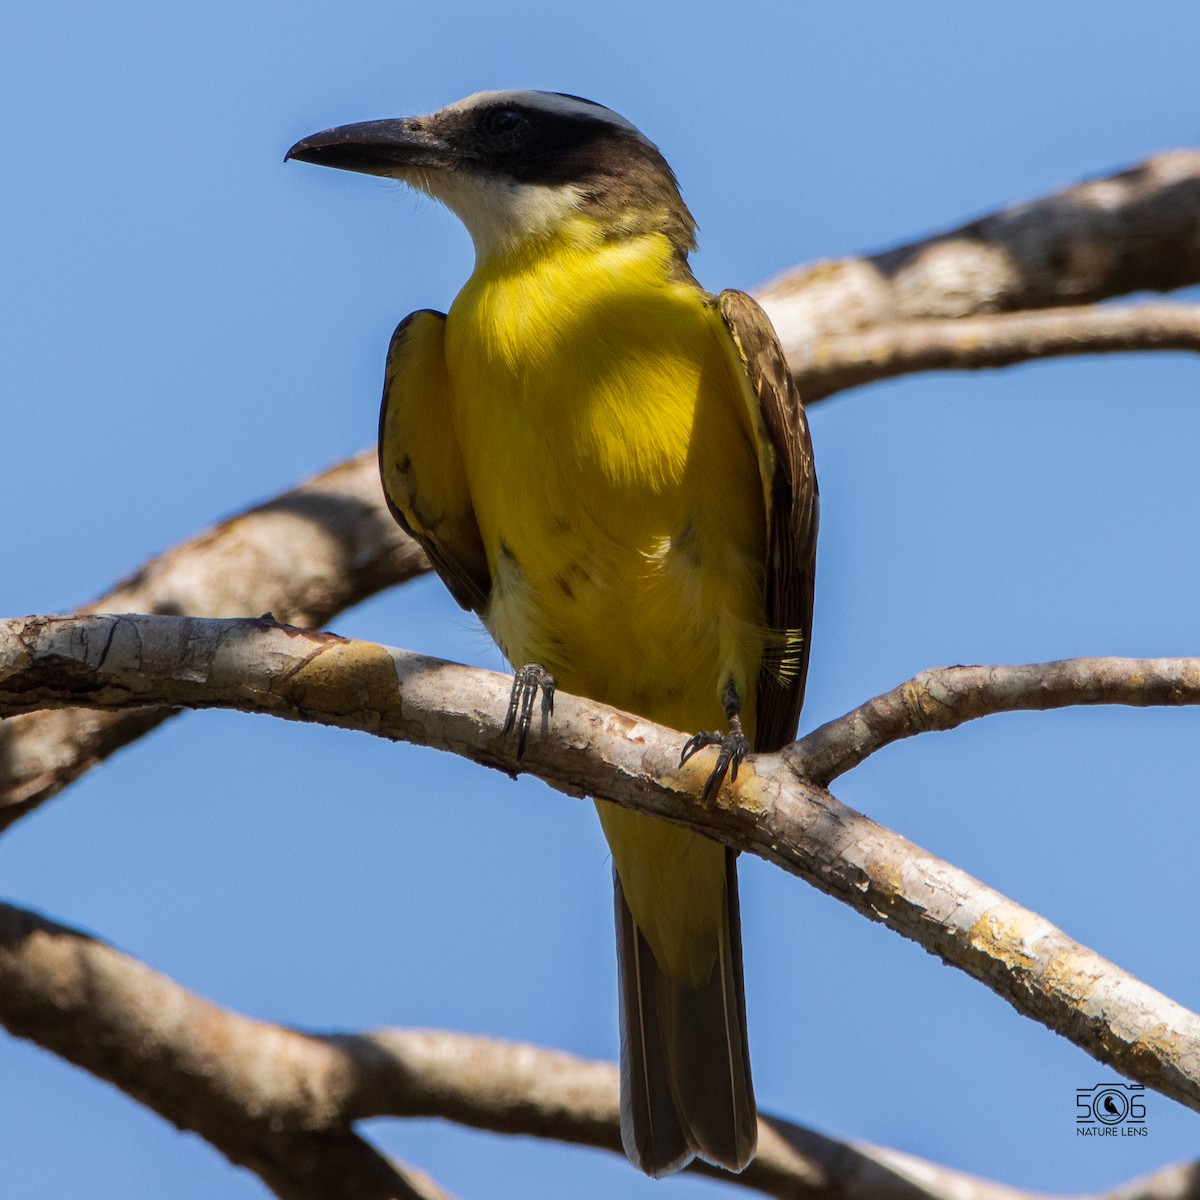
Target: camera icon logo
{"points": [[1110, 1104]]}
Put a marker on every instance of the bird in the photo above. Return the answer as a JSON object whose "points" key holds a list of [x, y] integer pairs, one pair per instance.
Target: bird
{"points": [[612, 468]]}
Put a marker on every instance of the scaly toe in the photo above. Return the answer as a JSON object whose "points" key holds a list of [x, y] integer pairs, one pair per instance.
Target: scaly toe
{"points": [[698, 741], [734, 748], [527, 682]]}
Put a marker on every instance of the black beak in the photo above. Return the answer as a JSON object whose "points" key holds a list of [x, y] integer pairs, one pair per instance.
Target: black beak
{"points": [[373, 147]]}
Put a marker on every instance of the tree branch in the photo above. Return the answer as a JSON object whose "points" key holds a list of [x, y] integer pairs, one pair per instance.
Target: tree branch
{"points": [[1136, 231], [330, 543], [239, 1084], [837, 362], [306, 555], [282, 1102], [945, 697], [771, 810]]}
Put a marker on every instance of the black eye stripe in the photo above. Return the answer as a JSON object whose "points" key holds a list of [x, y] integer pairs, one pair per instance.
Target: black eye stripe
{"points": [[501, 121]]}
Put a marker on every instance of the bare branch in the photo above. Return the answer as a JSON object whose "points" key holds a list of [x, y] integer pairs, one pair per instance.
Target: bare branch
{"points": [[837, 362], [305, 556], [945, 697], [1135, 231], [240, 1084], [282, 1103], [329, 543], [771, 811], [1178, 1182]]}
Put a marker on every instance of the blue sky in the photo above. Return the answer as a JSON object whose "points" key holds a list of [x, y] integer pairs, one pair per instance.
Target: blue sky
{"points": [[187, 325]]}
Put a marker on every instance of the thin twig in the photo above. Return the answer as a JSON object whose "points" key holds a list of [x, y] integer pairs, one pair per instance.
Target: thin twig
{"points": [[945, 697], [841, 361]]}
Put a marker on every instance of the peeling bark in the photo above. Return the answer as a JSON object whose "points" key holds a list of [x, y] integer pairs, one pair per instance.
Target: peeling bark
{"points": [[588, 749]]}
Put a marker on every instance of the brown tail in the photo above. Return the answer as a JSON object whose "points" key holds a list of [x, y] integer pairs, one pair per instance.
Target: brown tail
{"points": [[685, 1062]]}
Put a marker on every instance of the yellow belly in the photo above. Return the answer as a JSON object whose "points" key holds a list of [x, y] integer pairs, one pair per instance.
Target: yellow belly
{"points": [[617, 492]]}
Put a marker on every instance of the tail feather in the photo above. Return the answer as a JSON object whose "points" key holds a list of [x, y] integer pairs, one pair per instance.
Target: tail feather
{"points": [[686, 1090], [651, 1133]]}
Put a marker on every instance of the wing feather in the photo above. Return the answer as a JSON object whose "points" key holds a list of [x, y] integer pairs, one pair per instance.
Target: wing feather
{"points": [[790, 490], [420, 463]]}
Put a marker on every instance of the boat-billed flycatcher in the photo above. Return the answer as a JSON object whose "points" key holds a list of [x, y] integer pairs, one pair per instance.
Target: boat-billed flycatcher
{"points": [[612, 468]]}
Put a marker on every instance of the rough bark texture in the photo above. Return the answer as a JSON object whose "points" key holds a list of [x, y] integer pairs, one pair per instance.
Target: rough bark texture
{"points": [[247, 1088], [330, 543], [282, 1102], [1018, 285], [771, 810], [304, 556], [843, 361], [945, 697], [1136, 231]]}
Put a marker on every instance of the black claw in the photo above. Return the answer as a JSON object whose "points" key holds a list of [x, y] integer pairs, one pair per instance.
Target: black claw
{"points": [[527, 682], [698, 741], [734, 748]]}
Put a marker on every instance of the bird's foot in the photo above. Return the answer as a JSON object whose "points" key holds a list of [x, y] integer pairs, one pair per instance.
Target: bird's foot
{"points": [[733, 748], [527, 682]]}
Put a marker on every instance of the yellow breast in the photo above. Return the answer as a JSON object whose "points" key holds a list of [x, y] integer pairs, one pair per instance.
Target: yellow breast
{"points": [[612, 474]]}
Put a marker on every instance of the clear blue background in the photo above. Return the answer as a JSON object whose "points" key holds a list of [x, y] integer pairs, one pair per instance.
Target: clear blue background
{"points": [[187, 325]]}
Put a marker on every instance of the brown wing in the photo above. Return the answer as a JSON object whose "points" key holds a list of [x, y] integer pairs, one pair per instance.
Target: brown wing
{"points": [[420, 463], [792, 510]]}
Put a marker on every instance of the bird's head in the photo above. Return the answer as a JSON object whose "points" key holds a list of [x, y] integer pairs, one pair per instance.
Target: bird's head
{"points": [[520, 166]]}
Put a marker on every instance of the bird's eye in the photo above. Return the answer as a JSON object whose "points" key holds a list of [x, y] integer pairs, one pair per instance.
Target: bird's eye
{"points": [[501, 121]]}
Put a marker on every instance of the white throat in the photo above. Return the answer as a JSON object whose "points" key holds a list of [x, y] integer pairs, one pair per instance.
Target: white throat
{"points": [[499, 213]]}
